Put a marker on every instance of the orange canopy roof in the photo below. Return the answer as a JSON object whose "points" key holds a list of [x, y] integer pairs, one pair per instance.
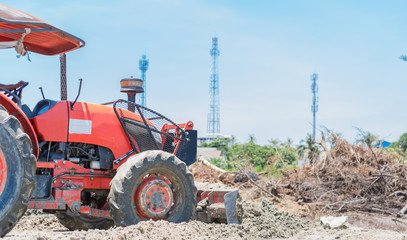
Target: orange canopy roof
{"points": [[43, 38]]}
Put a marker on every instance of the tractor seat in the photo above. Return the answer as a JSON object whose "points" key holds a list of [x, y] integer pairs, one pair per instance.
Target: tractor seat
{"points": [[27, 111], [41, 107]]}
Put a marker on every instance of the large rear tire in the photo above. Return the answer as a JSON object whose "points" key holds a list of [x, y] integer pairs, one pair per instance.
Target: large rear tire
{"points": [[17, 169], [83, 222], [152, 185]]}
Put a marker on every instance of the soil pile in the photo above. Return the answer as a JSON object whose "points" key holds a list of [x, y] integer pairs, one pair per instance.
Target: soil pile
{"points": [[259, 221], [265, 221], [37, 220]]}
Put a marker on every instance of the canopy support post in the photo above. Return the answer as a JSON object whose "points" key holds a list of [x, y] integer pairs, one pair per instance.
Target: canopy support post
{"points": [[64, 91]]}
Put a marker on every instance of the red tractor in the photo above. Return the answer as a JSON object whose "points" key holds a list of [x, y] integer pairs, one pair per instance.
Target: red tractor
{"points": [[93, 165]]}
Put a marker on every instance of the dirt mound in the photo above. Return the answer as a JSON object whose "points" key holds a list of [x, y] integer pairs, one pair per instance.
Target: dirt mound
{"points": [[37, 220], [259, 221], [265, 221]]}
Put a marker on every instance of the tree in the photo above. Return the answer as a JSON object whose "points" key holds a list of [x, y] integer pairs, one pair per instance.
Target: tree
{"points": [[274, 142], [366, 138], [219, 143], [309, 145], [252, 138], [401, 143], [269, 158]]}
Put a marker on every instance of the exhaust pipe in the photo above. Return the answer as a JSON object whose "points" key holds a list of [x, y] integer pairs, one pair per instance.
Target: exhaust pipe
{"points": [[131, 86]]}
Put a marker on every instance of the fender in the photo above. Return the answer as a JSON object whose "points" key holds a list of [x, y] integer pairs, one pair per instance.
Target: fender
{"points": [[15, 111]]}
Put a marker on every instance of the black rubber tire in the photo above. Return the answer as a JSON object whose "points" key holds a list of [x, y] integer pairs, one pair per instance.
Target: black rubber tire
{"points": [[82, 222], [128, 177], [21, 165]]}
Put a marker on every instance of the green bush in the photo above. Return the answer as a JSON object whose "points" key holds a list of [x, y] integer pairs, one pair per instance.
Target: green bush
{"points": [[270, 158]]}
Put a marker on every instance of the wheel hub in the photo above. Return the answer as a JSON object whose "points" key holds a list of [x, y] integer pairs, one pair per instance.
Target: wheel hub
{"points": [[3, 172], [153, 198]]}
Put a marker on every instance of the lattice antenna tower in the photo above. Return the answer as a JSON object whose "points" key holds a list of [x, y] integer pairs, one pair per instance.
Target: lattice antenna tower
{"points": [[213, 114], [143, 66], [314, 106]]}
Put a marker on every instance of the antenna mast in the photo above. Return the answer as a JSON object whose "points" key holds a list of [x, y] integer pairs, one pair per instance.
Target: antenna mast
{"points": [[143, 66], [314, 106], [213, 114]]}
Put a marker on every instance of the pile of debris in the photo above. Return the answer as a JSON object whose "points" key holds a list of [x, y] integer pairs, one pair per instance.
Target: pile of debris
{"points": [[204, 171], [352, 178]]}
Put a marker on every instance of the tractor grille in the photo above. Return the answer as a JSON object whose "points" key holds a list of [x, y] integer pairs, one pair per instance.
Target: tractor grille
{"points": [[147, 129]]}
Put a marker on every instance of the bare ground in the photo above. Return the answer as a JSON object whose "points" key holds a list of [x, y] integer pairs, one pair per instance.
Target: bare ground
{"points": [[261, 220]]}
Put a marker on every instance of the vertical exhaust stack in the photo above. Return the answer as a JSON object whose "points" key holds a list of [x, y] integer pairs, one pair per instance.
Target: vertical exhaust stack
{"points": [[131, 86]]}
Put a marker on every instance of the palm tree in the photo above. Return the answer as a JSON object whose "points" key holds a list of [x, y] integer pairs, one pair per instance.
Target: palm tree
{"points": [[252, 138], [309, 145]]}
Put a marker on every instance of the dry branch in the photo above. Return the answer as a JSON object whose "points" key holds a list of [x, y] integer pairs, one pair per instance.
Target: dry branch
{"points": [[352, 177]]}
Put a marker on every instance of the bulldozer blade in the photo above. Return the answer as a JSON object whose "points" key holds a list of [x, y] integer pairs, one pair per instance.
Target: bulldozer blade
{"points": [[230, 206]]}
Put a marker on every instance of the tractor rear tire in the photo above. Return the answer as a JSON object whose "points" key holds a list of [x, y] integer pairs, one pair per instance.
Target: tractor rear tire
{"points": [[158, 168], [17, 169], [83, 222]]}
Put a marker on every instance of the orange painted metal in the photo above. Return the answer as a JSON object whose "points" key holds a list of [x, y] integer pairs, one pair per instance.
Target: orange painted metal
{"points": [[45, 164], [54, 41], [166, 129], [105, 127], [94, 212], [15, 111], [46, 204], [70, 175], [53, 124], [68, 181], [106, 130], [157, 188], [3, 172], [215, 209]]}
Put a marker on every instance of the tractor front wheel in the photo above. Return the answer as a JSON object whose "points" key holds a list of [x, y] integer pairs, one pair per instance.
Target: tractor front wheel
{"points": [[152, 185], [17, 169]]}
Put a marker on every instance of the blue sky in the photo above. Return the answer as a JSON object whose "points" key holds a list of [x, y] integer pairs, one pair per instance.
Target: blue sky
{"points": [[268, 50]]}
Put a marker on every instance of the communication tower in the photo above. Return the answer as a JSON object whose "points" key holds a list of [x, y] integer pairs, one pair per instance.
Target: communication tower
{"points": [[143, 66], [314, 106], [213, 114]]}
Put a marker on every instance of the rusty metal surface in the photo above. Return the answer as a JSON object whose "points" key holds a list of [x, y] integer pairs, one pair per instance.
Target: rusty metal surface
{"points": [[93, 212], [212, 206]]}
